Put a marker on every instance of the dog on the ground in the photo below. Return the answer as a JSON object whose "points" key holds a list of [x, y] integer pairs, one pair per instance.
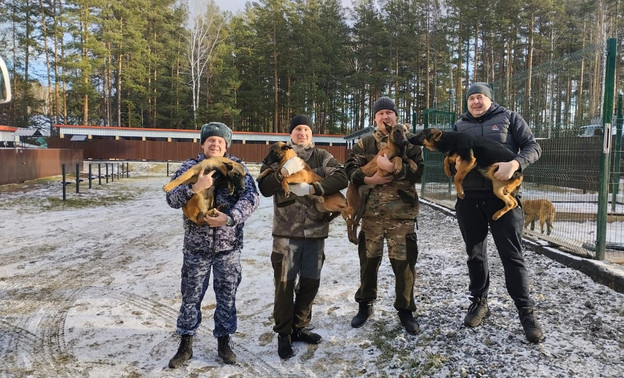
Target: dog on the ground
{"points": [[468, 152], [202, 204], [357, 194], [540, 209], [280, 152]]}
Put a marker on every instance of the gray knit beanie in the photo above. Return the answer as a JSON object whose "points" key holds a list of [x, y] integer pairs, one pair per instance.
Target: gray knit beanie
{"points": [[384, 103], [300, 119], [216, 129], [480, 87]]}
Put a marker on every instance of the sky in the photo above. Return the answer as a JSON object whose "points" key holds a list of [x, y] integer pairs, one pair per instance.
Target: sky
{"points": [[238, 5], [90, 288]]}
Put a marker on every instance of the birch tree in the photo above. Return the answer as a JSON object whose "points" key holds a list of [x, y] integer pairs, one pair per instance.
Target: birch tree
{"points": [[204, 37]]}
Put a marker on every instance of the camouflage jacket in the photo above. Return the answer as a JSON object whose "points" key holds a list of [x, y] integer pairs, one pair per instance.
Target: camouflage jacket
{"points": [[295, 216], [239, 206], [385, 200]]}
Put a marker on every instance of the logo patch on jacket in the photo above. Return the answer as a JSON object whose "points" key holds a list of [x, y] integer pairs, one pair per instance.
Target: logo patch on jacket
{"points": [[495, 128]]}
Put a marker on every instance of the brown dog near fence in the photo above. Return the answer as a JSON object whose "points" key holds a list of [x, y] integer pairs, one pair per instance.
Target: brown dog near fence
{"points": [[280, 152], [357, 194], [540, 209], [227, 172], [468, 152]]}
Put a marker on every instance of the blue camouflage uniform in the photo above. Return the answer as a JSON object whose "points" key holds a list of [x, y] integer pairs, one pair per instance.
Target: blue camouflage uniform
{"points": [[216, 248]]}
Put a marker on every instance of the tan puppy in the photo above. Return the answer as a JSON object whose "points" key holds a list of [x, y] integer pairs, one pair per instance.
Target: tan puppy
{"points": [[227, 172], [395, 150], [541, 209], [280, 152]]}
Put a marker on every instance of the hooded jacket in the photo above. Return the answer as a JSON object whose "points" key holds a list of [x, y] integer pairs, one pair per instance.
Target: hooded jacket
{"points": [[239, 206], [506, 127]]}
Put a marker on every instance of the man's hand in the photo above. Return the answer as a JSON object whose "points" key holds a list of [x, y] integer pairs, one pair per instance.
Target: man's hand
{"points": [[384, 163], [292, 166], [377, 179], [301, 189], [217, 221], [506, 169], [204, 181]]}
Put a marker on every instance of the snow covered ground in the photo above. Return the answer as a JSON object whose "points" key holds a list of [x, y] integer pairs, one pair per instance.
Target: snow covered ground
{"points": [[90, 288]]}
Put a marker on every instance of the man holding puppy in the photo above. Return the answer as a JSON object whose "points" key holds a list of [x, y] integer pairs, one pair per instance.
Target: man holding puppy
{"points": [[387, 216], [214, 246], [299, 233], [474, 212]]}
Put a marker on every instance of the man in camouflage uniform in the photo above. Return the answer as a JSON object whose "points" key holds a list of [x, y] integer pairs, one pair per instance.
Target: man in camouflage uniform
{"points": [[386, 216], [216, 245], [299, 233]]}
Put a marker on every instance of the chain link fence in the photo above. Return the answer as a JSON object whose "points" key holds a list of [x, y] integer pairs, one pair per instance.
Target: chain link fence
{"points": [[562, 102]]}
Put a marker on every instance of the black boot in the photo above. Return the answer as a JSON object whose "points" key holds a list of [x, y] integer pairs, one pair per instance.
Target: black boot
{"points": [[302, 334], [184, 353], [477, 311], [532, 329], [364, 312], [225, 352], [409, 323], [284, 346]]}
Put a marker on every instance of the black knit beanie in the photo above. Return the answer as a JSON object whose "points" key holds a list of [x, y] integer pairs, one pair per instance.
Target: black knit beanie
{"points": [[384, 103], [300, 119], [216, 129], [480, 87]]}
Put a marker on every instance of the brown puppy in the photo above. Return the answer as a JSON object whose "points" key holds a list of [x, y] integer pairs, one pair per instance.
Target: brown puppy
{"points": [[395, 150], [280, 152], [227, 172], [541, 209], [468, 152]]}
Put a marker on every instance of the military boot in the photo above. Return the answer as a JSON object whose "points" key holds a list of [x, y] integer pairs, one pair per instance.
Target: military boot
{"points": [[409, 322], [364, 312], [184, 353], [225, 352]]}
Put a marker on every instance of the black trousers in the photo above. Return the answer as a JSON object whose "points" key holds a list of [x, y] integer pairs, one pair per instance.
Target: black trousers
{"points": [[475, 217]]}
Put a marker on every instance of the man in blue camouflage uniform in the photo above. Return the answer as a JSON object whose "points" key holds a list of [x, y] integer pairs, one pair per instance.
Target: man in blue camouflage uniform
{"points": [[299, 233], [216, 245], [474, 212], [390, 213]]}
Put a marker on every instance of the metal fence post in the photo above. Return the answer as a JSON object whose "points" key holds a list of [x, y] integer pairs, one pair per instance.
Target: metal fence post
{"points": [[607, 117], [77, 178], [618, 152], [63, 182]]}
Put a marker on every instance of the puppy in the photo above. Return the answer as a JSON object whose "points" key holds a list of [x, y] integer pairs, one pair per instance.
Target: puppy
{"points": [[356, 195], [279, 153], [468, 152], [541, 209], [228, 172]]}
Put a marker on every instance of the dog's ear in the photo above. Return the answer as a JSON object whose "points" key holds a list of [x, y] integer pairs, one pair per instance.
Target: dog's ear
{"points": [[228, 165], [286, 147], [436, 135], [388, 128]]}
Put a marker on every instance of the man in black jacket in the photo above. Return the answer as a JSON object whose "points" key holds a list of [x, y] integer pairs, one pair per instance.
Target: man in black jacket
{"points": [[474, 213]]}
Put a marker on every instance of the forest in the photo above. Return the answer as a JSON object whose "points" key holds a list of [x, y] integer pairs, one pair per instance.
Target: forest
{"points": [[156, 64]]}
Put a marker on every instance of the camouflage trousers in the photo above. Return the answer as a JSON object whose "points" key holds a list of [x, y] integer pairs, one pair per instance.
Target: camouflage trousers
{"points": [[297, 265], [226, 270], [402, 250]]}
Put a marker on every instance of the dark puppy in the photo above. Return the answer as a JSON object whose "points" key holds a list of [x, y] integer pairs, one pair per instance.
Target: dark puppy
{"points": [[227, 172], [279, 153], [468, 152], [356, 195]]}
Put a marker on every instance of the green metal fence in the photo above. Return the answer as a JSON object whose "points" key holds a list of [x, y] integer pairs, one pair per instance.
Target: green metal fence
{"points": [[579, 171]]}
